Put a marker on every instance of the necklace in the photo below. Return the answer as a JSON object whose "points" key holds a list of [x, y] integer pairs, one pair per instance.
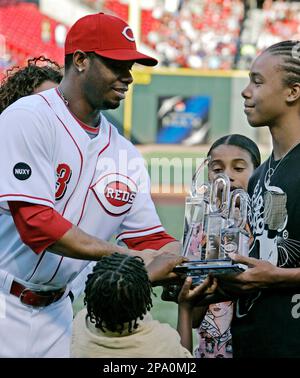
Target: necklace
{"points": [[62, 96], [271, 171], [85, 127]]}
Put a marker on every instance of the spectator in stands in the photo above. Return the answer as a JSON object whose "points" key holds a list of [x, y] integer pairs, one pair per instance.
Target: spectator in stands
{"points": [[275, 22], [190, 33], [60, 34], [198, 35], [45, 30]]}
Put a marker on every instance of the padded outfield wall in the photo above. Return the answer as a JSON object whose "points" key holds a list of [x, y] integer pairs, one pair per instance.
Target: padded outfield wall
{"points": [[137, 117]]}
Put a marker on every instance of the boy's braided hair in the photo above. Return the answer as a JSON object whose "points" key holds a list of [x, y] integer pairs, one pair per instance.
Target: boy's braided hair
{"points": [[289, 51], [118, 291]]}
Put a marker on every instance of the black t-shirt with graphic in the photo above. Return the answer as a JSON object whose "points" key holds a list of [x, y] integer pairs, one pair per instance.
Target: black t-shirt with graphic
{"points": [[267, 323]]}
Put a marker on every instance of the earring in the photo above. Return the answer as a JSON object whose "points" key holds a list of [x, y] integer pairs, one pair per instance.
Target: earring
{"points": [[80, 69]]}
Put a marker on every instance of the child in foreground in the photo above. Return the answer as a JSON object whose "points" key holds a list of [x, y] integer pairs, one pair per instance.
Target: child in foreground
{"points": [[116, 321]]}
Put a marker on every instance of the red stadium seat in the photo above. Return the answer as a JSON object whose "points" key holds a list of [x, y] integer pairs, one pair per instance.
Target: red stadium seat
{"points": [[21, 26]]}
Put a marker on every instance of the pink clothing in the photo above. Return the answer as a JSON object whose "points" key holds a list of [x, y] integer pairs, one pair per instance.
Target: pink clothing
{"points": [[214, 332]]}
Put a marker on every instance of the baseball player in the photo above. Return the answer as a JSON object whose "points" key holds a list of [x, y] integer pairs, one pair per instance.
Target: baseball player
{"points": [[38, 75], [69, 183]]}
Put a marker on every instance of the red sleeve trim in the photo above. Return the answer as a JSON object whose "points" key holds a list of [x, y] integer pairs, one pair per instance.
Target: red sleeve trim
{"points": [[26, 196], [153, 241], [39, 226], [137, 231]]}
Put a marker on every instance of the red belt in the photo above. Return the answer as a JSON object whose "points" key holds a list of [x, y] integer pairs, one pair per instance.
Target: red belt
{"points": [[35, 298]]}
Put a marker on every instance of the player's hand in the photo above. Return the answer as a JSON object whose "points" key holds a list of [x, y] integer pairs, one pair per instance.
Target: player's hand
{"points": [[148, 255], [259, 275], [160, 270], [189, 295]]}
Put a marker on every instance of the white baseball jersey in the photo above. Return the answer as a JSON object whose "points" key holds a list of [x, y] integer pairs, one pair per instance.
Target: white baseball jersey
{"points": [[101, 184]]}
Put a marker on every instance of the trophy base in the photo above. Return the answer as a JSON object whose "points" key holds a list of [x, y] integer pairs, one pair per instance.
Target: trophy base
{"points": [[200, 269]]}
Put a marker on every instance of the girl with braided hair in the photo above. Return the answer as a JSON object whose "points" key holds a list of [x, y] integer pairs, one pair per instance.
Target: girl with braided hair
{"points": [[116, 321]]}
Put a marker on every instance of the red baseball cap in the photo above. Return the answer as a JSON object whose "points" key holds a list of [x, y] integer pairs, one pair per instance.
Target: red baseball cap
{"points": [[107, 36]]}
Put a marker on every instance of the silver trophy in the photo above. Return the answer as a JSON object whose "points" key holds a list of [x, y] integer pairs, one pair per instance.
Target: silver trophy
{"points": [[196, 210], [212, 216], [217, 216], [234, 237]]}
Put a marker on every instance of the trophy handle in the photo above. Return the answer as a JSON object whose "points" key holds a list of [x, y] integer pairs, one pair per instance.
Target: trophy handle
{"points": [[220, 184], [188, 239], [194, 192], [238, 201], [195, 211], [198, 200]]}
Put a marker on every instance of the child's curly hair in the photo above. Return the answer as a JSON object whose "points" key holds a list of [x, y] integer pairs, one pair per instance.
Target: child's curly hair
{"points": [[118, 291], [22, 81]]}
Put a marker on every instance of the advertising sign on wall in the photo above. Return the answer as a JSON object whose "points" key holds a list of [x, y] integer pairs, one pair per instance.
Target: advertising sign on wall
{"points": [[183, 120]]}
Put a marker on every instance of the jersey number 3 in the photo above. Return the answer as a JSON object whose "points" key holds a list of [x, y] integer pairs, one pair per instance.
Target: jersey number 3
{"points": [[63, 174]]}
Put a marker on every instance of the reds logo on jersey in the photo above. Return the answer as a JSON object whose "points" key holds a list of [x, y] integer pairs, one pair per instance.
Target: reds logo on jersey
{"points": [[115, 193]]}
